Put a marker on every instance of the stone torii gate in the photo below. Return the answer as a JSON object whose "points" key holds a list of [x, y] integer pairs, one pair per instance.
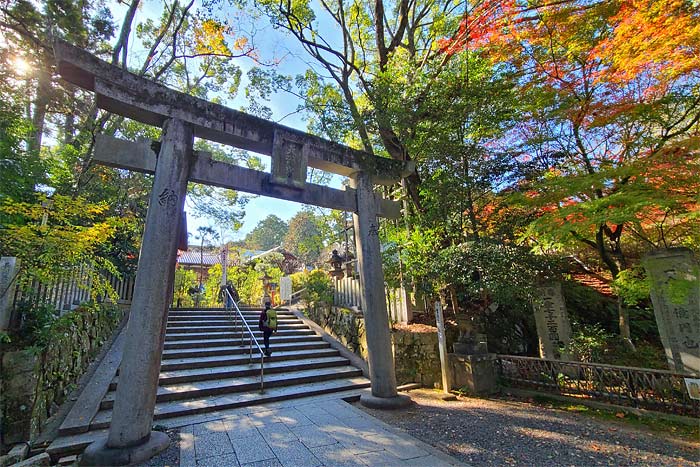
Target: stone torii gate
{"points": [[174, 163]]}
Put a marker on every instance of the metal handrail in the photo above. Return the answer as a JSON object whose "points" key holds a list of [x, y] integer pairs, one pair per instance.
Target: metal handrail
{"points": [[297, 293], [252, 337]]}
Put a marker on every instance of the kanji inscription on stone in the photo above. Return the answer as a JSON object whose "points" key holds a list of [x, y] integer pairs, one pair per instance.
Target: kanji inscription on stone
{"points": [[675, 293], [553, 326], [168, 198], [289, 160]]}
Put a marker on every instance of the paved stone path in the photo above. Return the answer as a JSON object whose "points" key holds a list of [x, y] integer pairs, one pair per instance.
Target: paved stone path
{"points": [[309, 432]]}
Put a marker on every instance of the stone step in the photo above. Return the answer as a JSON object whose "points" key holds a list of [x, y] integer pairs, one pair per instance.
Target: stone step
{"points": [[271, 394], [219, 308], [199, 389], [226, 346], [245, 368], [194, 361], [230, 328], [228, 322], [235, 340], [348, 395], [236, 335], [230, 358], [73, 444], [213, 320], [244, 312]]}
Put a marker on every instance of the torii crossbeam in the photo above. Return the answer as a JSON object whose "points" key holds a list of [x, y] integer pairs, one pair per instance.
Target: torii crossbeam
{"points": [[182, 118]]}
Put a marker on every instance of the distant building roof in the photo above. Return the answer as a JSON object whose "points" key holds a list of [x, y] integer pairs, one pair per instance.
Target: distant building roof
{"points": [[265, 253], [209, 258], [250, 254], [193, 257]]}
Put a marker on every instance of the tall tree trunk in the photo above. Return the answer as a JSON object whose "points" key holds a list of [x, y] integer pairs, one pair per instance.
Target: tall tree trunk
{"points": [[454, 300], [41, 103], [472, 217], [122, 45], [624, 323], [69, 122], [614, 266]]}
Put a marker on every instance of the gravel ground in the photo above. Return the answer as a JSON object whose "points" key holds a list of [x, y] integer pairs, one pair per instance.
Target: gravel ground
{"points": [[500, 432], [170, 457]]}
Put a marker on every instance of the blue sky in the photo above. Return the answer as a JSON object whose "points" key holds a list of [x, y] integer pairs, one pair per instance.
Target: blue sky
{"points": [[271, 43]]}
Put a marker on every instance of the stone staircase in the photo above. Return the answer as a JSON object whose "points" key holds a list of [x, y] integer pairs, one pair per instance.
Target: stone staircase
{"points": [[206, 369]]}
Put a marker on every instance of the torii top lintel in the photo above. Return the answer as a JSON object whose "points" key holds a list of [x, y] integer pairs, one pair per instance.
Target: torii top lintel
{"points": [[146, 101]]}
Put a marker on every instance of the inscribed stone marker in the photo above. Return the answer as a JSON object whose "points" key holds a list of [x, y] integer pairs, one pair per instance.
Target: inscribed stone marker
{"points": [[675, 294], [289, 159], [553, 326]]}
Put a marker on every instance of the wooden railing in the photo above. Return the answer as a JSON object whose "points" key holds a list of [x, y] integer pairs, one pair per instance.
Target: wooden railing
{"points": [[347, 293], [659, 390], [71, 289]]}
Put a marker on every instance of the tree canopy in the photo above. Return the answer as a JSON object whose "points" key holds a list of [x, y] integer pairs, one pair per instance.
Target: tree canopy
{"points": [[540, 131], [268, 234]]}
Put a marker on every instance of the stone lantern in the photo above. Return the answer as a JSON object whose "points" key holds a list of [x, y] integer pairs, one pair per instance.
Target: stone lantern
{"points": [[349, 257], [336, 263]]}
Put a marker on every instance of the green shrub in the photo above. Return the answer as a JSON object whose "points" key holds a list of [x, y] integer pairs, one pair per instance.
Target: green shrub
{"points": [[36, 321], [318, 285], [589, 343], [593, 344], [589, 307]]}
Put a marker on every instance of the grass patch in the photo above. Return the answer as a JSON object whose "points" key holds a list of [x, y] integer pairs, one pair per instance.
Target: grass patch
{"points": [[647, 421]]}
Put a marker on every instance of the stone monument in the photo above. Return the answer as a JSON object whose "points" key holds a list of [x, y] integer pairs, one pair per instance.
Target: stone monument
{"points": [[552, 320], [675, 293], [9, 267]]}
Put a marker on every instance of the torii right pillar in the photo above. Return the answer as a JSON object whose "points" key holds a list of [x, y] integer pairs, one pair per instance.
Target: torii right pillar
{"points": [[369, 256]]}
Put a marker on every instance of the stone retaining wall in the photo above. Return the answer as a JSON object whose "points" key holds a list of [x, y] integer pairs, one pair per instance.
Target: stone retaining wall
{"points": [[35, 381], [346, 325], [416, 356]]}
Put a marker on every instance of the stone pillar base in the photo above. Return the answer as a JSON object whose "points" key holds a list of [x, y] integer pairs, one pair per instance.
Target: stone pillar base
{"points": [[99, 454], [385, 403], [475, 372]]}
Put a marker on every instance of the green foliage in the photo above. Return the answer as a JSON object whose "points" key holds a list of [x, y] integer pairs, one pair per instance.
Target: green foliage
{"points": [[505, 273], [185, 279], [632, 285], [304, 237], [248, 284], [73, 233], [20, 171], [416, 251], [5, 338], [36, 322], [586, 306], [594, 344], [246, 278], [42, 323], [268, 234], [590, 343], [318, 285]]}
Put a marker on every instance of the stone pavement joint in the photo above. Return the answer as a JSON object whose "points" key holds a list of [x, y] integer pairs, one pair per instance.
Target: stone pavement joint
{"points": [[306, 433]]}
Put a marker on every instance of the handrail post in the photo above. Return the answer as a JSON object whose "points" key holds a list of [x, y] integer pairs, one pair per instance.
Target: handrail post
{"points": [[252, 339], [262, 387]]}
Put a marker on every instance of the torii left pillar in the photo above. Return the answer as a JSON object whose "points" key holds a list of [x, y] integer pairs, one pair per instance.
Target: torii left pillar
{"points": [[131, 439]]}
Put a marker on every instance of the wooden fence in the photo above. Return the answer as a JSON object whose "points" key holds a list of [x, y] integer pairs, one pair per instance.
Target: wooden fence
{"points": [[68, 291], [348, 294]]}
